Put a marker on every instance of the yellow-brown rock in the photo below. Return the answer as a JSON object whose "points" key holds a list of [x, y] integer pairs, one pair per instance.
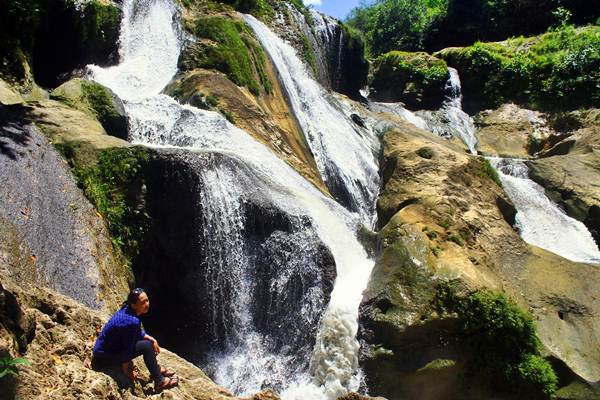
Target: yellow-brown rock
{"points": [[266, 117]]}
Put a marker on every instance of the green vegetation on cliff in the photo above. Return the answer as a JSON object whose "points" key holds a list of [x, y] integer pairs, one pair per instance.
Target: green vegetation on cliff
{"points": [[435, 24], [55, 37], [234, 51], [416, 79], [112, 185], [555, 71], [503, 340], [259, 8]]}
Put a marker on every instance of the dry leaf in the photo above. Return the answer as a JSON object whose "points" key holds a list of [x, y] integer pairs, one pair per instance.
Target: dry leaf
{"points": [[57, 360]]}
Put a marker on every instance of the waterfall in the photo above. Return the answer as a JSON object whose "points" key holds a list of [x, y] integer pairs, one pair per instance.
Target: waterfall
{"points": [[238, 172], [540, 221], [451, 120], [345, 154], [447, 122]]}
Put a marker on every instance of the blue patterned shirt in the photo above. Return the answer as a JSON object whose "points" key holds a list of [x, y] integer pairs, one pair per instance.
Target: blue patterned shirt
{"points": [[119, 336]]}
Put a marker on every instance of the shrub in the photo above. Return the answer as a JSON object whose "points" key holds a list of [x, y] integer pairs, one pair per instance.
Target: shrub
{"points": [[503, 340], [555, 71]]}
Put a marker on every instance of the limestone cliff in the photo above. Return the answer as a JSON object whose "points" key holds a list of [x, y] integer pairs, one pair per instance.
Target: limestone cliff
{"points": [[443, 218]]}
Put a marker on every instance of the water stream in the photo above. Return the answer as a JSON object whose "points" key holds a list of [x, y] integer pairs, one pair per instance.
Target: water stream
{"points": [[540, 221], [149, 47], [344, 153]]}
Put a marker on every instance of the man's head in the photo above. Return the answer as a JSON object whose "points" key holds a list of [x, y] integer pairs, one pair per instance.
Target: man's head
{"points": [[138, 301]]}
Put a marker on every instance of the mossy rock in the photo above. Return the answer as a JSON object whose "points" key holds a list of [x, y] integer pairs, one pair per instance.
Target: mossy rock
{"points": [[555, 71], [229, 46], [98, 101], [415, 79]]}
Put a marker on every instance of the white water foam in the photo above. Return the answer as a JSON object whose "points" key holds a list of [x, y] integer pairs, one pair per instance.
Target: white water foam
{"points": [[540, 221], [150, 46]]}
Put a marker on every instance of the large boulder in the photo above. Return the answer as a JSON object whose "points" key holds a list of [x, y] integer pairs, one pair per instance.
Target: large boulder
{"points": [[98, 101], [510, 131], [266, 117], [415, 79], [444, 219]]}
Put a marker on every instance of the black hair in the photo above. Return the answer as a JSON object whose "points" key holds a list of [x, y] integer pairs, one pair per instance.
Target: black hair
{"points": [[133, 296]]}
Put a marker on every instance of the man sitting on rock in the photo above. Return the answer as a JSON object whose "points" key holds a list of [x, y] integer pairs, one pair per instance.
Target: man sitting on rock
{"points": [[122, 339]]}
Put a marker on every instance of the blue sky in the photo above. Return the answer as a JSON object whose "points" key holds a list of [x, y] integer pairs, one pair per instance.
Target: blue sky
{"points": [[336, 8]]}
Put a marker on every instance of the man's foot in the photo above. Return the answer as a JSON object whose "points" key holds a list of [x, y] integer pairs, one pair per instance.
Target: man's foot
{"points": [[167, 383], [166, 372]]}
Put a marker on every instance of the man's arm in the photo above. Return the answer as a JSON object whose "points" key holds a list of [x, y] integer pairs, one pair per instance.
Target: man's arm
{"points": [[154, 342]]}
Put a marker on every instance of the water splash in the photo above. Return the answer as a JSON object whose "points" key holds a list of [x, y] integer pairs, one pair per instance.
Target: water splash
{"points": [[540, 221], [148, 32]]}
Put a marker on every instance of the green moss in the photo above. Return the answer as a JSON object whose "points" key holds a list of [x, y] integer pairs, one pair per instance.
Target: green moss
{"points": [[417, 79], [445, 224], [503, 340], [425, 152], [235, 53], [308, 55], [554, 71], [227, 114], [99, 100], [457, 239], [487, 170], [111, 184], [261, 9]]}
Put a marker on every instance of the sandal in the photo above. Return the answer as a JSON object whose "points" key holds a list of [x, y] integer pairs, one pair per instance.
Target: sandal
{"points": [[166, 372], [167, 383]]}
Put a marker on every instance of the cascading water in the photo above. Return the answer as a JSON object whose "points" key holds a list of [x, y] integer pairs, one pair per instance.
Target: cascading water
{"points": [[249, 357], [540, 221], [447, 122], [451, 120], [345, 155]]}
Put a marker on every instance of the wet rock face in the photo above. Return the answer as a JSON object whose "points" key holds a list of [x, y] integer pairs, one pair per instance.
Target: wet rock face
{"points": [[192, 280], [39, 198]]}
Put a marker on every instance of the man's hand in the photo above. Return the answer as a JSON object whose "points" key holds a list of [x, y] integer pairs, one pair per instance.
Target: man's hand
{"points": [[154, 343]]}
